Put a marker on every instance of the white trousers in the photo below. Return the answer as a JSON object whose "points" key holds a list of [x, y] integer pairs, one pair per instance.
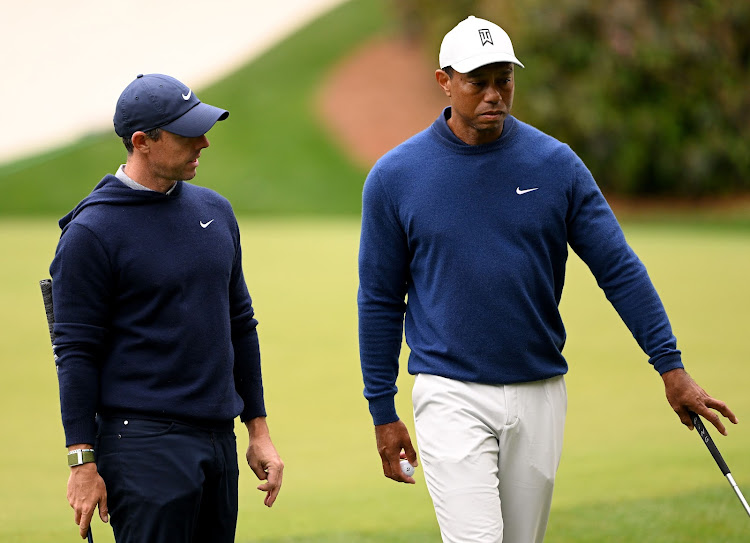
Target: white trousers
{"points": [[489, 455]]}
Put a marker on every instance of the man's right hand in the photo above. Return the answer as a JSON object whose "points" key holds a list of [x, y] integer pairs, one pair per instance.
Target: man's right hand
{"points": [[391, 439], [86, 490]]}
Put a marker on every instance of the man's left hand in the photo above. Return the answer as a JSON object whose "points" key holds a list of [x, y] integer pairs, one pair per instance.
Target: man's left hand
{"points": [[264, 460], [684, 394]]}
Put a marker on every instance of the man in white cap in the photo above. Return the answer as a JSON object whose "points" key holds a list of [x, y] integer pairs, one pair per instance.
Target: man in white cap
{"points": [[156, 349], [465, 234]]}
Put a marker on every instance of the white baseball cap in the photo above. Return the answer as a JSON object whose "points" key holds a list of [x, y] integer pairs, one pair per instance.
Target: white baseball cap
{"points": [[475, 42]]}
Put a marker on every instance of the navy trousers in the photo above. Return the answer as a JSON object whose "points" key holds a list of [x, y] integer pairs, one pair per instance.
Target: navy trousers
{"points": [[168, 481]]}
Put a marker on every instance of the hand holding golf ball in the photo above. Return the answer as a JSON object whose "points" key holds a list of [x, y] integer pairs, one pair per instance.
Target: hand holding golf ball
{"points": [[406, 468]]}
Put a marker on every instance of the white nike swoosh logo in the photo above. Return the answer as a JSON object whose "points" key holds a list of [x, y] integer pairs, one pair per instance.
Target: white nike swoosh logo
{"points": [[204, 225], [519, 191], [190, 91]]}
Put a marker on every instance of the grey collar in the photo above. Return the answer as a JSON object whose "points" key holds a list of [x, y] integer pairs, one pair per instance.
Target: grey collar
{"points": [[122, 176]]}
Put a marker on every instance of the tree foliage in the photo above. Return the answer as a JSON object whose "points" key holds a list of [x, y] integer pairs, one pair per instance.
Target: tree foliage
{"points": [[654, 95]]}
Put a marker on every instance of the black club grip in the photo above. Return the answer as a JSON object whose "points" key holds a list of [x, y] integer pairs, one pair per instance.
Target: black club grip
{"points": [[706, 438]]}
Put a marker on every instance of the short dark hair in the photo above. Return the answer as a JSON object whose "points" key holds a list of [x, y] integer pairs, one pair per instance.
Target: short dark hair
{"points": [[450, 71], [154, 134]]}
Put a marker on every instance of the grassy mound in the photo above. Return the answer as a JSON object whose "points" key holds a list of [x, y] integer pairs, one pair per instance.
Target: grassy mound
{"points": [[270, 157]]}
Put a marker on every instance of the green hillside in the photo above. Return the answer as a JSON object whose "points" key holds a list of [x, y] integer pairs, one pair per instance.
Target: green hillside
{"points": [[272, 155]]}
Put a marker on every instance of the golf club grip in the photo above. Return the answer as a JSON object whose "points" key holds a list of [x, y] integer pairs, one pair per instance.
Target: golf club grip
{"points": [[46, 286], [706, 438]]}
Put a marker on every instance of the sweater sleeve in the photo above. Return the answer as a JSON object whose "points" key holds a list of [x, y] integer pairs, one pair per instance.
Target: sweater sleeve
{"points": [[247, 368], [383, 277], [81, 287], [595, 235]]}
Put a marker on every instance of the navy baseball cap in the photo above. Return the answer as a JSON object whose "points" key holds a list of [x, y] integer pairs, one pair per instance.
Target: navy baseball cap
{"points": [[160, 101]]}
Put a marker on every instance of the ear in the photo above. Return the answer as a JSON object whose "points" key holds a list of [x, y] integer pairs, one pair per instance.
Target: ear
{"points": [[141, 142], [444, 81]]}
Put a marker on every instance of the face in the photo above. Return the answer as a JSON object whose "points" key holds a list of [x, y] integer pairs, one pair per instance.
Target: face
{"points": [[480, 101], [175, 158]]}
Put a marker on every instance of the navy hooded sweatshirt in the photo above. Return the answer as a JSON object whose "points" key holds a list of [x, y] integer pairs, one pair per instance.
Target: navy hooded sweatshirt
{"points": [[152, 314], [465, 247]]}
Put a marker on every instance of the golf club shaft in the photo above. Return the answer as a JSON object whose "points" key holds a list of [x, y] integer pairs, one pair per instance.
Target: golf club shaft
{"points": [[737, 491], [706, 438]]}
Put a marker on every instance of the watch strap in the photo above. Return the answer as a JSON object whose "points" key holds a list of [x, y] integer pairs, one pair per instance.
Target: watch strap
{"points": [[77, 457]]}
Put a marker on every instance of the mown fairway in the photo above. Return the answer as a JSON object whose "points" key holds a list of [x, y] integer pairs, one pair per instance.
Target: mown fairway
{"points": [[630, 472]]}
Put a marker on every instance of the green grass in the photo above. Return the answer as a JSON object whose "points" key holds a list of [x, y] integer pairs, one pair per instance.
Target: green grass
{"points": [[272, 154], [702, 515], [629, 473]]}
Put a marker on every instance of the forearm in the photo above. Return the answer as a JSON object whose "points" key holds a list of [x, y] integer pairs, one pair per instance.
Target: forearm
{"points": [[596, 236], [381, 310], [380, 337], [79, 384], [641, 309], [257, 428], [248, 378]]}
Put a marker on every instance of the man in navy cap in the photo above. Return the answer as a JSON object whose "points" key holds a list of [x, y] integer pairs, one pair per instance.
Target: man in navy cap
{"points": [[157, 349]]}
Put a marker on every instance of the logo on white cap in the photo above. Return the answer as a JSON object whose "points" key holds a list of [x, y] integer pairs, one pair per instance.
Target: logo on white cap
{"points": [[485, 36]]}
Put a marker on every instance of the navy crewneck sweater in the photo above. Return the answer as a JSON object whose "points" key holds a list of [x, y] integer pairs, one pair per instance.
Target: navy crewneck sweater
{"points": [[476, 238], [152, 314]]}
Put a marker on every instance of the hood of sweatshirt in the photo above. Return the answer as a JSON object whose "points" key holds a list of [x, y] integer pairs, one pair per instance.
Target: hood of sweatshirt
{"points": [[112, 191]]}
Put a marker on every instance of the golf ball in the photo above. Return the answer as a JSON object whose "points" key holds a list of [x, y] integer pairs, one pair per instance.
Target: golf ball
{"points": [[407, 468]]}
